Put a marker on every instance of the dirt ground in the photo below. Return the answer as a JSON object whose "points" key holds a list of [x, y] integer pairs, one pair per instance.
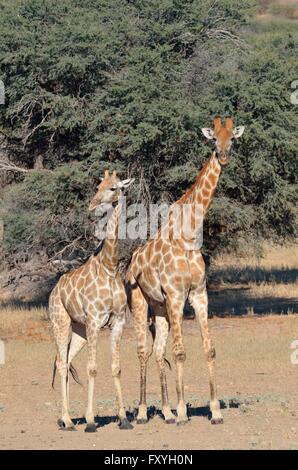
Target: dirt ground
{"points": [[257, 385]]}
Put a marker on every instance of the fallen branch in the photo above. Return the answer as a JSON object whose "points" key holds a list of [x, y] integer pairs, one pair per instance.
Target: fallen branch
{"points": [[6, 165]]}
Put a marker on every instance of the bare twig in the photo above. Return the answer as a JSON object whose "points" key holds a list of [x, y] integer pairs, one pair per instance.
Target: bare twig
{"points": [[223, 34], [70, 245], [25, 140]]}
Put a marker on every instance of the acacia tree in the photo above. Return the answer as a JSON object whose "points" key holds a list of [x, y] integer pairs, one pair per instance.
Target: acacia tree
{"points": [[128, 85]]}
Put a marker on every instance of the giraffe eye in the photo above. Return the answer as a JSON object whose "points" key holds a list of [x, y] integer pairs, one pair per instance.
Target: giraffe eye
{"points": [[113, 189]]}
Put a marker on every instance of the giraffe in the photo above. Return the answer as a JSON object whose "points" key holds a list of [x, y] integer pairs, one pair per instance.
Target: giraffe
{"points": [[85, 300], [163, 273]]}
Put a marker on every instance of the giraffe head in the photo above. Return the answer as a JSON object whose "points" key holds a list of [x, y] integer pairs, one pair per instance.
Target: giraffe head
{"points": [[109, 190], [223, 136]]}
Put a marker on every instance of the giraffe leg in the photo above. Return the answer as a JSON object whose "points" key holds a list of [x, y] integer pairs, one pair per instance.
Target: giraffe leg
{"points": [[116, 336], [139, 310], [62, 329], [160, 342], [199, 301], [77, 342], [91, 372], [175, 312]]}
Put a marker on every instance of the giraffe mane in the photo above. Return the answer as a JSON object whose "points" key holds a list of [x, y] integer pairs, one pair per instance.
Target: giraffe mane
{"points": [[196, 183]]}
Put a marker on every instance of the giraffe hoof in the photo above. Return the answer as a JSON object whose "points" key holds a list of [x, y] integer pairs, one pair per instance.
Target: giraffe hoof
{"points": [[60, 423], [91, 427], [217, 421], [62, 426], [142, 421], [125, 424], [170, 421]]}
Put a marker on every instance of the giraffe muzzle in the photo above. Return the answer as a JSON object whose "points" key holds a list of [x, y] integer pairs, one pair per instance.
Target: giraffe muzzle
{"points": [[223, 158]]}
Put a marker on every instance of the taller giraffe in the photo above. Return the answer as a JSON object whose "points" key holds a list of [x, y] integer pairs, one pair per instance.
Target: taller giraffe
{"points": [[163, 273], [85, 300]]}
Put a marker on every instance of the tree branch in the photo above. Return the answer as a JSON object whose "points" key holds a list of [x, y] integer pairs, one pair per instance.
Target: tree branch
{"points": [[25, 140], [6, 165]]}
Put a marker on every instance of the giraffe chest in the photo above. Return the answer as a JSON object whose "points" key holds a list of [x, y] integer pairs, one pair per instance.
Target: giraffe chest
{"points": [[94, 298], [168, 269], [98, 296]]}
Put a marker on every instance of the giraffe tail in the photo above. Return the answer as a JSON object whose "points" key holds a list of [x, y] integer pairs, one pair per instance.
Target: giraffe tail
{"points": [[75, 374], [54, 373], [152, 330], [72, 370]]}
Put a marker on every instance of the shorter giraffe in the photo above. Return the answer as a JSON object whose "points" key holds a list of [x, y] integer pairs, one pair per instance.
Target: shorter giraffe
{"points": [[85, 300]]}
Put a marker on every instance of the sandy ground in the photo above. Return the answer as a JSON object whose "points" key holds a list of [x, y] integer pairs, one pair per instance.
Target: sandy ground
{"points": [[257, 385]]}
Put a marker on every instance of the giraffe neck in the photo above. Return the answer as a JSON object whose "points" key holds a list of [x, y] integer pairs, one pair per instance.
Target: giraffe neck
{"points": [[109, 255], [183, 226], [202, 191]]}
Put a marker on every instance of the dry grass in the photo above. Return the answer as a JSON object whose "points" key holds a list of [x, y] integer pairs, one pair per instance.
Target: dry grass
{"points": [[270, 257], [273, 266], [278, 9], [287, 291], [30, 323], [240, 285], [247, 283]]}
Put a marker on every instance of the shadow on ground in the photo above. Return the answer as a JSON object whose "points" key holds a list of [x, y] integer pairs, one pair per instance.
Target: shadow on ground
{"points": [[238, 301], [25, 304], [192, 411], [256, 274]]}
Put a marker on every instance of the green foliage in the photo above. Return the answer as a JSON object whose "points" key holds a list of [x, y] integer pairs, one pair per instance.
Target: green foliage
{"points": [[51, 210], [19, 231], [263, 170], [128, 85]]}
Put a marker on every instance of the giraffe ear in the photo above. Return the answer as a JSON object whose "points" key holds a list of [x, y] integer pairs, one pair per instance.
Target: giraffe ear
{"points": [[125, 183], [238, 131], [208, 133]]}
